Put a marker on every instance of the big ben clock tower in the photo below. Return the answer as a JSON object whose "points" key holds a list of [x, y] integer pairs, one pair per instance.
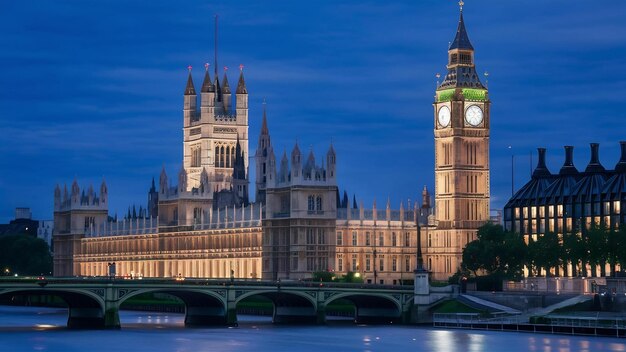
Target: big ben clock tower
{"points": [[461, 120]]}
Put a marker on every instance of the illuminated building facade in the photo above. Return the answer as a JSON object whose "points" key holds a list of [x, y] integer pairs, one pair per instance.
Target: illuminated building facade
{"points": [[205, 226], [570, 201]]}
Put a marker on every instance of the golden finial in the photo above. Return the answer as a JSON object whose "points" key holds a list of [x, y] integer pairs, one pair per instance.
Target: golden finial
{"points": [[461, 3]]}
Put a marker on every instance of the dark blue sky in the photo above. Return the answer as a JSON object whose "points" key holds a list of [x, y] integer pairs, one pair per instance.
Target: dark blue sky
{"points": [[93, 89]]}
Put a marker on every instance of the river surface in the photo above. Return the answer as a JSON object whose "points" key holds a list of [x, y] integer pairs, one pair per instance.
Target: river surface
{"points": [[42, 329]]}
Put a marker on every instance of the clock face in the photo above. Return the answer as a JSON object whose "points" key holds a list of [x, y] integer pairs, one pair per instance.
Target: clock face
{"points": [[474, 115], [443, 117]]}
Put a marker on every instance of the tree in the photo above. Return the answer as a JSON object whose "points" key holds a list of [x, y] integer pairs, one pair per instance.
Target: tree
{"points": [[25, 255], [546, 252], [574, 251], [597, 243], [496, 252]]}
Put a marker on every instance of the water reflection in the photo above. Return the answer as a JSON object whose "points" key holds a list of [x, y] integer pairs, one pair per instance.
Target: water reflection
{"points": [[43, 329]]}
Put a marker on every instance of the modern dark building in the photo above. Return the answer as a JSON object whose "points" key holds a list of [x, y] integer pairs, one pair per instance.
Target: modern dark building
{"points": [[570, 200]]}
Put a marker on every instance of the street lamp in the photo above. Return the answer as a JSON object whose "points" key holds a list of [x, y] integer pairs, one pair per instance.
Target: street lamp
{"points": [[512, 171]]}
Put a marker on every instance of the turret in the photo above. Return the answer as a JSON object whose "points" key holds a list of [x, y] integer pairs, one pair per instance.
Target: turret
{"points": [[75, 193], [271, 169], [163, 182], [90, 195], [226, 95], [242, 99], [189, 106], [331, 161], [283, 174], [260, 159], [425, 198], [65, 194], [104, 192], [308, 172], [296, 164], [182, 180], [57, 197], [153, 201], [207, 95]]}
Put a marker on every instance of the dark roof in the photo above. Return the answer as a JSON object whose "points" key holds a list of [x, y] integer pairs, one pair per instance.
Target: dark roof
{"points": [[461, 77], [207, 86], [461, 40], [225, 85], [241, 85], [190, 90]]}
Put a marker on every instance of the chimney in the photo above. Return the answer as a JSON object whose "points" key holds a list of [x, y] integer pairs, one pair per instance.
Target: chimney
{"points": [[568, 167], [541, 170], [594, 163]]}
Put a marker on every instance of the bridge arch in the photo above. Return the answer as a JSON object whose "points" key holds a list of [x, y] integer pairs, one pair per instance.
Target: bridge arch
{"points": [[372, 307], [202, 307], [290, 306], [86, 309]]}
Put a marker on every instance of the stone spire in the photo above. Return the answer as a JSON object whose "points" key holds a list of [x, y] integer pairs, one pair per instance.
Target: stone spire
{"points": [[225, 85], [241, 85], [189, 89], [207, 86]]}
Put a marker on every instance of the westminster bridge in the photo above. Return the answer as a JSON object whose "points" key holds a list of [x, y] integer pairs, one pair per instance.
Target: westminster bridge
{"points": [[95, 302]]}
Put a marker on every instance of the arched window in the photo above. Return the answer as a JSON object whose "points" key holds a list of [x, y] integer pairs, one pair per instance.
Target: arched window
{"points": [[318, 203], [228, 157], [311, 203], [217, 156], [222, 156], [232, 156]]}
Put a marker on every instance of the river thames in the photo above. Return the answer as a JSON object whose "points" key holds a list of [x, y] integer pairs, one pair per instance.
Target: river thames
{"points": [[42, 329]]}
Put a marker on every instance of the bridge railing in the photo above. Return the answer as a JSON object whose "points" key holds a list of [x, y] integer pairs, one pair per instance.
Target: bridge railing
{"points": [[197, 281]]}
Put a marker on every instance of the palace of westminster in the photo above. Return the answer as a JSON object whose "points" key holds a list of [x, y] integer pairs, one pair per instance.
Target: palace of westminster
{"points": [[207, 227]]}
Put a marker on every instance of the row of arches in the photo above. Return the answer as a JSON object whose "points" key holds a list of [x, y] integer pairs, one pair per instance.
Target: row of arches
{"points": [[203, 307]]}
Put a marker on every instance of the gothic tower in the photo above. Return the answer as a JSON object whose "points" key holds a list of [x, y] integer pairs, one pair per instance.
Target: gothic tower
{"points": [[461, 128]]}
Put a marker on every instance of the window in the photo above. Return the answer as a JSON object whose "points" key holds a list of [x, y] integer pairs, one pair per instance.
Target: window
{"points": [[195, 156], [354, 238], [318, 203], [394, 241], [339, 238], [340, 264], [368, 266], [407, 239], [394, 264], [321, 239], [367, 239], [381, 263], [355, 266], [616, 207], [381, 239], [311, 203], [310, 236], [407, 263]]}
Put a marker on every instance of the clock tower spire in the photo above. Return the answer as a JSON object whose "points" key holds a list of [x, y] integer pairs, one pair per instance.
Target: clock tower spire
{"points": [[461, 129]]}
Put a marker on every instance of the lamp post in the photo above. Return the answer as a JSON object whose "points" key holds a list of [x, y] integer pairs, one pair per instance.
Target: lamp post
{"points": [[512, 171]]}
